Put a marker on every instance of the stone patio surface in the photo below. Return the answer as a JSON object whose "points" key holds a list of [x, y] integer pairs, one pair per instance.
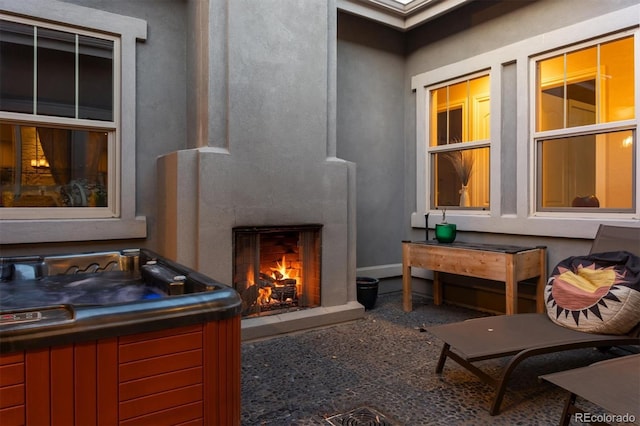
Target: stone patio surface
{"points": [[384, 365]]}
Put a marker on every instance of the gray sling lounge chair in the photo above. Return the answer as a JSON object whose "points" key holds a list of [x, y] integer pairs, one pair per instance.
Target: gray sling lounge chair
{"points": [[525, 335], [613, 384]]}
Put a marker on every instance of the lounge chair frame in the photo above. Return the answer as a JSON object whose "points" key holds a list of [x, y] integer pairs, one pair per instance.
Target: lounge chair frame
{"points": [[522, 336]]}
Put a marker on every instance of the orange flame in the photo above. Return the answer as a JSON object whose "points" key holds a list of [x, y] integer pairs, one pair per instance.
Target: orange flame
{"points": [[281, 269], [250, 276]]}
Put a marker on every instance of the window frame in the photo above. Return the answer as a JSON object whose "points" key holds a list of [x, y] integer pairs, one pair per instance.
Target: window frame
{"points": [[423, 84], [539, 136], [110, 127], [119, 220], [432, 151], [512, 179]]}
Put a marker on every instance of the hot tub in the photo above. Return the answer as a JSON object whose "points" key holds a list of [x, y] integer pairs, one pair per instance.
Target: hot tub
{"points": [[116, 337]]}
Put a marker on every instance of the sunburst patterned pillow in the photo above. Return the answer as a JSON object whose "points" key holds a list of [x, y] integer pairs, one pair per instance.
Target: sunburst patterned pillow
{"points": [[598, 293]]}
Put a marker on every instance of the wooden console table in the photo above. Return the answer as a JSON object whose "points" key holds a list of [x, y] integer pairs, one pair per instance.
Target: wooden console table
{"points": [[510, 264]]}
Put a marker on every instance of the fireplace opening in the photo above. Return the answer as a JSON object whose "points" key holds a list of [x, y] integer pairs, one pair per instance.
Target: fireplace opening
{"points": [[277, 268]]}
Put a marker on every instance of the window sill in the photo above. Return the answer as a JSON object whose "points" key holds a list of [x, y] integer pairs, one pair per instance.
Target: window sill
{"points": [[566, 226], [46, 231]]}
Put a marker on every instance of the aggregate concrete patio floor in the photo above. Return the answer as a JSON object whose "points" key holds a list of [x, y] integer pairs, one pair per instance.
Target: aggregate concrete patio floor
{"points": [[385, 364]]}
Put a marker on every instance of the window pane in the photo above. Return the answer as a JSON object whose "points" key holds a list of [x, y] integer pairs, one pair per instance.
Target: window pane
{"points": [[7, 158], [456, 105], [618, 83], [587, 171], [581, 87], [439, 117], [551, 76], [458, 94], [56, 73], [449, 126], [480, 109], [462, 178], [53, 167], [461, 112], [587, 86], [16, 72], [95, 84]]}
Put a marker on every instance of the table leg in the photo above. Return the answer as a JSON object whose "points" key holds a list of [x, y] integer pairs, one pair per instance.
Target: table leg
{"points": [[407, 304], [437, 288], [542, 281], [511, 286]]}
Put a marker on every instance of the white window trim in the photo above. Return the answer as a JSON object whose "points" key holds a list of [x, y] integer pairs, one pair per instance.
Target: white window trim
{"points": [[570, 131], [524, 221], [126, 224], [429, 150]]}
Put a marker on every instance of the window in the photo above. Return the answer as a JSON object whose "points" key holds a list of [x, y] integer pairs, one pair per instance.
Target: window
{"points": [[561, 145], [585, 128], [459, 132], [67, 123], [54, 147]]}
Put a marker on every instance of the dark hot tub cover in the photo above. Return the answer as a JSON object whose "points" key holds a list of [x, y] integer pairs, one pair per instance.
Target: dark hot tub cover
{"points": [[596, 293]]}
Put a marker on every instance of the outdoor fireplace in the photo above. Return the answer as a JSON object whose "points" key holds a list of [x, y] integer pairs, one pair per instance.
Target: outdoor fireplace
{"points": [[277, 268]]}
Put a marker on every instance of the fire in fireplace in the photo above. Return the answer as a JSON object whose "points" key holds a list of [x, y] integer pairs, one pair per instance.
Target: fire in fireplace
{"points": [[277, 269]]}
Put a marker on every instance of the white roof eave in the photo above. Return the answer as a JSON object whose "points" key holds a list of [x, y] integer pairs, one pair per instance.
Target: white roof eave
{"points": [[397, 14]]}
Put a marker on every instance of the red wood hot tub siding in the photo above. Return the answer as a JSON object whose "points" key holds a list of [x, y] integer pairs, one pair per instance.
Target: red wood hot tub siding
{"points": [[187, 375]]}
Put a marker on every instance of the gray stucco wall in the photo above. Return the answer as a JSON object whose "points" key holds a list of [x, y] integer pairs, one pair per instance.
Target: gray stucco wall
{"points": [[375, 105], [370, 132], [276, 166], [469, 31], [161, 110], [371, 58]]}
